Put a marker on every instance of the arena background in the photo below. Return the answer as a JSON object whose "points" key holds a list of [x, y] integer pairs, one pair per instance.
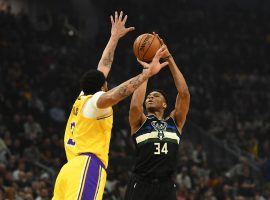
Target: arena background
{"points": [[222, 48]]}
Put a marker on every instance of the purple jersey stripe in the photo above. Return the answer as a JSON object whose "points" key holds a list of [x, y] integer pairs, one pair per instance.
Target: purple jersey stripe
{"points": [[83, 178], [91, 181], [100, 171]]}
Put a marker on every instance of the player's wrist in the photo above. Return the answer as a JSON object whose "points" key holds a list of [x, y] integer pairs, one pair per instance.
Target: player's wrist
{"points": [[146, 72], [167, 57], [115, 37]]}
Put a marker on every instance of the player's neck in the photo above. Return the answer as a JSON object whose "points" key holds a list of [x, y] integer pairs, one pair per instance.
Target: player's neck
{"points": [[158, 114]]}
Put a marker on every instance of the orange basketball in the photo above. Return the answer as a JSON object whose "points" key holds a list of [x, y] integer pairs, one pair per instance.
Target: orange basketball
{"points": [[146, 46]]}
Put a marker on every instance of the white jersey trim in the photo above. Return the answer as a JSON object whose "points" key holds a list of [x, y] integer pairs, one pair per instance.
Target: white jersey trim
{"points": [[90, 109], [154, 134]]}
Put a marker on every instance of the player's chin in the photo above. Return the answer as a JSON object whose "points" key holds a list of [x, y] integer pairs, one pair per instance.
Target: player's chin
{"points": [[150, 107]]}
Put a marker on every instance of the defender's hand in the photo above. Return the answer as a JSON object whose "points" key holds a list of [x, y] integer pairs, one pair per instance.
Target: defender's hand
{"points": [[155, 66], [118, 25]]}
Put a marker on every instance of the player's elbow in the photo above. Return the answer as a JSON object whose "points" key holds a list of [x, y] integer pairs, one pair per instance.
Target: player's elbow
{"points": [[103, 69], [185, 93], [135, 108]]}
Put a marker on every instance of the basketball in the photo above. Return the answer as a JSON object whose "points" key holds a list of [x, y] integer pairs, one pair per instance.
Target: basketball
{"points": [[146, 46]]}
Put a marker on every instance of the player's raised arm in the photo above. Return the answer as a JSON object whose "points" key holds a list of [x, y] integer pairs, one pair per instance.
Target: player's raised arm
{"points": [[122, 91], [183, 97], [136, 115], [118, 30]]}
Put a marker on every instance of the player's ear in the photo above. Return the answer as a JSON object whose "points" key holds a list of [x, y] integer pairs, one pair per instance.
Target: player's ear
{"points": [[164, 105]]}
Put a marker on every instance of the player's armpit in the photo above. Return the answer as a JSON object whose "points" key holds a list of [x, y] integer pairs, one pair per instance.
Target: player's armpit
{"points": [[136, 118]]}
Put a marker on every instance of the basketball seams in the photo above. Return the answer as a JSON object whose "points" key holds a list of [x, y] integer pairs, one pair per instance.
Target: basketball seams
{"points": [[139, 45], [135, 46], [149, 46], [145, 48]]}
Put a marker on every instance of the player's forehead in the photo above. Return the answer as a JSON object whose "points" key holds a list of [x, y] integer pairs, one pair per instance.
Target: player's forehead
{"points": [[155, 94]]}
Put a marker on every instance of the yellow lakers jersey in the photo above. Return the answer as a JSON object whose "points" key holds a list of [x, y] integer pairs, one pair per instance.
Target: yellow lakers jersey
{"points": [[86, 135]]}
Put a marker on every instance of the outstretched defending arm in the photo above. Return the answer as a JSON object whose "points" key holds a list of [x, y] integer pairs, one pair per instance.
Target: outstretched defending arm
{"points": [[118, 30], [125, 89]]}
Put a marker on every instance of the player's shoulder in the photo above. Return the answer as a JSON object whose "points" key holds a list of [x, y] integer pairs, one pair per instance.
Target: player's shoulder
{"points": [[91, 110], [98, 93], [90, 97], [94, 98]]}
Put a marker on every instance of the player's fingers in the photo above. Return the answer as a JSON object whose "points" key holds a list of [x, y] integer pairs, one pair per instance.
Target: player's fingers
{"points": [[156, 35], [125, 19], [164, 47], [165, 53], [130, 29], [160, 53], [161, 41], [142, 63], [159, 38], [164, 50], [120, 16], [116, 16], [112, 20], [161, 49], [156, 58], [163, 64]]}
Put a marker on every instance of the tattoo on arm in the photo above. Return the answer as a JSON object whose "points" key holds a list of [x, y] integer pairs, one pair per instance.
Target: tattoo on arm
{"points": [[127, 88], [123, 91], [107, 61], [133, 84]]}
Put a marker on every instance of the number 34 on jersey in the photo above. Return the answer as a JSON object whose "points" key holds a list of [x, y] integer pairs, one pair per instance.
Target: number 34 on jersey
{"points": [[160, 149]]}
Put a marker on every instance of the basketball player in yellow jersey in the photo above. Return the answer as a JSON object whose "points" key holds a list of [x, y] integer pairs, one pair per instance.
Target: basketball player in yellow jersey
{"points": [[91, 82], [88, 130]]}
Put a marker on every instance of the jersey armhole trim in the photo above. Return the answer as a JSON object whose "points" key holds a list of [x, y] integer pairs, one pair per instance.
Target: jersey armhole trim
{"points": [[104, 117], [180, 132], [139, 127]]}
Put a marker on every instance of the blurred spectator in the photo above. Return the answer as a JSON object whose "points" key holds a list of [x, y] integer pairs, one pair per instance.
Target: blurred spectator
{"points": [[246, 184], [222, 50], [199, 155], [32, 129], [183, 179], [3, 151]]}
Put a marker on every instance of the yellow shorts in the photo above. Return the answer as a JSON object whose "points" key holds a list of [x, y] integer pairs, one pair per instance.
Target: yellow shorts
{"points": [[82, 178]]}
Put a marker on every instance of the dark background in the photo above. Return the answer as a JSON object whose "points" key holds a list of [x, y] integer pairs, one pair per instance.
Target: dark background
{"points": [[221, 47]]}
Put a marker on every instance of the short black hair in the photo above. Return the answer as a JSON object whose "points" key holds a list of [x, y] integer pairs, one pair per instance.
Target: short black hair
{"points": [[92, 81], [161, 92]]}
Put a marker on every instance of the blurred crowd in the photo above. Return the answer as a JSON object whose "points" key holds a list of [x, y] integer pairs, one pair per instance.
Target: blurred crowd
{"points": [[222, 52]]}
